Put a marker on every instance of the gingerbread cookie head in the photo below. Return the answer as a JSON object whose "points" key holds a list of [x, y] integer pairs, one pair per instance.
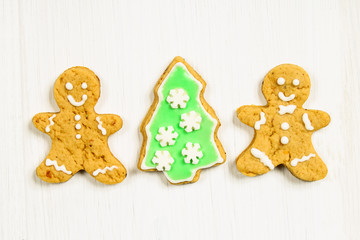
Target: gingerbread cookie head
{"points": [[286, 83], [77, 87]]}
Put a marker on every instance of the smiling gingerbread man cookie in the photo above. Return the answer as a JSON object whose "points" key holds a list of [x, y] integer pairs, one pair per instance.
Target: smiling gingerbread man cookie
{"points": [[283, 128], [79, 135]]}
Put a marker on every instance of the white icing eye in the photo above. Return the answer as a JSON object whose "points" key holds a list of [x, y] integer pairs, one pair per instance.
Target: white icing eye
{"points": [[296, 82], [280, 81], [69, 86], [84, 85]]}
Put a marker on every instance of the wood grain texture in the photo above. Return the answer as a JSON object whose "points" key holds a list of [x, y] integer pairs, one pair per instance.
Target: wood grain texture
{"points": [[231, 45]]}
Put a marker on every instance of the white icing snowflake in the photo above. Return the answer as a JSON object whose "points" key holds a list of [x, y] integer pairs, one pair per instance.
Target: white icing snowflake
{"points": [[190, 121], [192, 153], [178, 98], [163, 160], [166, 137]]}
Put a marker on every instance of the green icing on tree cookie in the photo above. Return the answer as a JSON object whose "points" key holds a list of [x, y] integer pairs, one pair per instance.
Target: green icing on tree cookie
{"points": [[167, 119]]}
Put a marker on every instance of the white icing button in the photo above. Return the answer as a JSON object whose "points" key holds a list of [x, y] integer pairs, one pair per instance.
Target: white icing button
{"points": [[78, 136], [78, 126], [84, 85], [77, 117], [280, 81], [285, 126], [69, 86], [284, 140], [296, 82]]}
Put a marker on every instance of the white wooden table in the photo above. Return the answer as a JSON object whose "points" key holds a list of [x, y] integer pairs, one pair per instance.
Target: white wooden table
{"points": [[128, 44]]}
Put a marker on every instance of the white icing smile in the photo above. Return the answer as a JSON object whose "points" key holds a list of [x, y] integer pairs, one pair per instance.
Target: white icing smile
{"points": [[75, 103], [284, 98]]}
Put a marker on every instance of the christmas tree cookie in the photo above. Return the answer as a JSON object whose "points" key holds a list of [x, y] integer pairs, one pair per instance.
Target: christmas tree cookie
{"points": [[283, 128], [79, 135], [180, 129]]}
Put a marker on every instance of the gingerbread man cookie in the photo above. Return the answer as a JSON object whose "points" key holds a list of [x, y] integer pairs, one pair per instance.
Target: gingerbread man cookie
{"points": [[79, 135], [283, 128]]}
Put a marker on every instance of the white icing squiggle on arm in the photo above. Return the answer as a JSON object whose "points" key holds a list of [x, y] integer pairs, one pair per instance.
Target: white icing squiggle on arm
{"points": [[284, 98], [303, 159], [286, 109], [100, 127], [263, 158], [103, 171], [54, 163], [47, 129], [75, 103], [307, 122], [261, 121]]}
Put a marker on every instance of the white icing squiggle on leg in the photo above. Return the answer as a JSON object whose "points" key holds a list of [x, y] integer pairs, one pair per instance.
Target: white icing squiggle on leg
{"points": [[307, 122], [263, 158], [54, 163], [47, 129], [286, 109], [303, 159], [261, 121], [100, 127], [103, 171]]}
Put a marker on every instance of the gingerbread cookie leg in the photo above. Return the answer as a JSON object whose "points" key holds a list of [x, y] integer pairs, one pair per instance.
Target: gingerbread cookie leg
{"points": [[255, 160], [56, 167], [105, 168], [308, 167]]}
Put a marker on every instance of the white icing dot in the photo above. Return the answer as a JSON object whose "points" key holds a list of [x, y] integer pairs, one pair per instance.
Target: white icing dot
{"points": [[296, 82], [280, 81], [77, 117], [69, 86], [285, 126], [78, 126], [78, 136], [84, 85], [284, 140]]}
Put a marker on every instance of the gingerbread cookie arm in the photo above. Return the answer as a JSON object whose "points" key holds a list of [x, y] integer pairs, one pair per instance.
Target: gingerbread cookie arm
{"points": [[44, 121], [109, 123], [249, 114], [315, 119]]}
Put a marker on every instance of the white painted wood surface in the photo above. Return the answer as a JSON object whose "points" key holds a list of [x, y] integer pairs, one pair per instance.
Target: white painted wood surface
{"points": [[232, 44]]}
